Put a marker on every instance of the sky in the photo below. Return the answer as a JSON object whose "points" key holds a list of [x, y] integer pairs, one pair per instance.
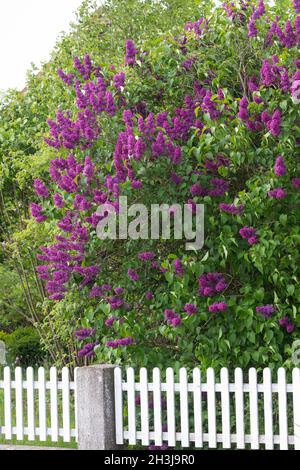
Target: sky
{"points": [[28, 32]]}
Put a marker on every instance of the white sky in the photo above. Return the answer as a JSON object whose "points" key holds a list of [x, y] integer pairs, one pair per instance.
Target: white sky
{"points": [[28, 32]]}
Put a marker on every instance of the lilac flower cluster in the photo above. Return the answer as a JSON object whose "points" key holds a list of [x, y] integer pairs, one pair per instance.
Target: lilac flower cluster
{"points": [[266, 310], [231, 208], [287, 324], [120, 342], [172, 318], [217, 307], [249, 234], [190, 309], [256, 14], [131, 52], [279, 168], [37, 212], [211, 284], [87, 350], [133, 275], [84, 333], [277, 193], [178, 267], [198, 27], [41, 189], [146, 256]]}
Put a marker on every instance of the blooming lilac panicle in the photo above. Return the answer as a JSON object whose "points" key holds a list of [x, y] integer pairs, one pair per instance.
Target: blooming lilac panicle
{"points": [[266, 310], [41, 189], [279, 168], [131, 52], [296, 183], [217, 307], [84, 333], [277, 193], [133, 275], [190, 309]]}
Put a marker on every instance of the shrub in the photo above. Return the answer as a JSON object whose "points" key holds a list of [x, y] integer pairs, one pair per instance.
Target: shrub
{"points": [[23, 347]]}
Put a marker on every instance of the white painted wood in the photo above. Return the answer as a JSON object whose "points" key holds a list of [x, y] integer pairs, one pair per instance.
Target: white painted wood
{"points": [[239, 408], [42, 404], [7, 403], [157, 407], [211, 408], [19, 404], [197, 408], [53, 404], [282, 404], [131, 406], [144, 406], [30, 404], [65, 378], [296, 406], [225, 398], [171, 407], [119, 406], [268, 409], [254, 430], [184, 407]]}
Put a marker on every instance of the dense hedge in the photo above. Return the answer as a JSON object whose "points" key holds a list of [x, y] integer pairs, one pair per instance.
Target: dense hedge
{"points": [[202, 112]]}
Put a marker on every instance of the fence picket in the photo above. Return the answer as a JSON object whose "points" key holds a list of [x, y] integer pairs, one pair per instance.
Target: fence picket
{"points": [[171, 407], [7, 403], [119, 406], [65, 378], [131, 407], [268, 409], [42, 404], [211, 408], [53, 404], [239, 408], [157, 407], [254, 431], [184, 407], [225, 408], [282, 404], [144, 405], [296, 406], [30, 404], [197, 408], [19, 404]]}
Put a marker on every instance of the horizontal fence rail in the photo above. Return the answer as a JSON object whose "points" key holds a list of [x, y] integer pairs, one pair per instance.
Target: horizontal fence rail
{"points": [[37, 404], [188, 410]]}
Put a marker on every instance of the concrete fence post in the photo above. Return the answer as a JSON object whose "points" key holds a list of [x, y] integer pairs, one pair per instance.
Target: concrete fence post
{"points": [[95, 407]]}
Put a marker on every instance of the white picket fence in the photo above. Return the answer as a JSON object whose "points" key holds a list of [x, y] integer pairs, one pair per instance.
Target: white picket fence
{"points": [[41, 407], [193, 413]]}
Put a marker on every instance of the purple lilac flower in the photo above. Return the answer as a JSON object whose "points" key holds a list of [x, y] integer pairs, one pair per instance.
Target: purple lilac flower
{"points": [[41, 189], [110, 321], [274, 125], [190, 309], [133, 275], [231, 208], [295, 91], [266, 310], [131, 51], [84, 333], [287, 324], [87, 350], [296, 183], [277, 193], [211, 283], [119, 80], [249, 234], [217, 307], [58, 200], [146, 256], [178, 268], [37, 212], [172, 318], [120, 342], [279, 168], [149, 295]]}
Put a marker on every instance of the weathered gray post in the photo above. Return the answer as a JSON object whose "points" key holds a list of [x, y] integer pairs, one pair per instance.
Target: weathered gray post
{"points": [[95, 407]]}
